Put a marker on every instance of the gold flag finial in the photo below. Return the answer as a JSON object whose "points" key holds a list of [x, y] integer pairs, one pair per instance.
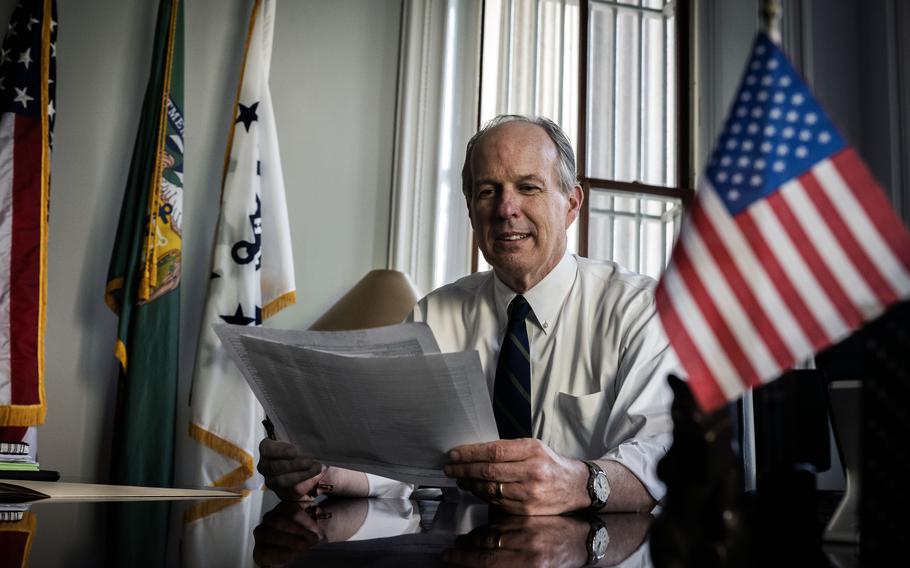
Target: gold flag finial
{"points": [[770, 19]]}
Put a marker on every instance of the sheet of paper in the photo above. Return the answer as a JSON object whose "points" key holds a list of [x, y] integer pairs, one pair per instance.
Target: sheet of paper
{"points": [[393, 416], [59, 490], [389, 341]]}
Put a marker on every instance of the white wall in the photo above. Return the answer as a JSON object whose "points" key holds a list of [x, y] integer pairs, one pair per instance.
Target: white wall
{"points": [[333, 83]]}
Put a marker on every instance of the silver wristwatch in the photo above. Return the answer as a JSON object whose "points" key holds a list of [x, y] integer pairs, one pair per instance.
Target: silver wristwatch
{"points": [[598, 541], [598, 486]]}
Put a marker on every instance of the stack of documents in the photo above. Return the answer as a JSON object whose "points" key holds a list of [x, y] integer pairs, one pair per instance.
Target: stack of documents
{"points": [[15, 456], [382, 400]]}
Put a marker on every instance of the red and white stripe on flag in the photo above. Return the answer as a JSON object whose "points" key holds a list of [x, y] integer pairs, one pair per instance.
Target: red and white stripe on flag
{"points": [[26, 120], [789, 247]]}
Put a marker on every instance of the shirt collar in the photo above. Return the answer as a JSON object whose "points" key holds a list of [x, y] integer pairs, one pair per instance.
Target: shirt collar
{"points": [[545, 298]]}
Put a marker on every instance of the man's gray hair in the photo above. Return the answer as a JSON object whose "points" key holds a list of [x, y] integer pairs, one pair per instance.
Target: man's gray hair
{"points": [[565, 165]]}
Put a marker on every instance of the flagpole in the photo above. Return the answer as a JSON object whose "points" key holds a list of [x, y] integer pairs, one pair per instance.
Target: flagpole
{"points": [[769, 13], [770, 19]]}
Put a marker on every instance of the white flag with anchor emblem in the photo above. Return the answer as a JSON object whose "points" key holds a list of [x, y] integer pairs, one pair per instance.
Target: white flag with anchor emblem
{"points": [[252, 275]]}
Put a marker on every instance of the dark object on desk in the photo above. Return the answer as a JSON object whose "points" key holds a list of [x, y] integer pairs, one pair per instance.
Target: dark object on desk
{"points": [[877, 357], [791, 424], [12, 493], [709, 520], [40, 475], [702, 522], [792, 443]]}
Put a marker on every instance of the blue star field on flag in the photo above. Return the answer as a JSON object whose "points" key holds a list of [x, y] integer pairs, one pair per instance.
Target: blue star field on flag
{"points": [[20, 62], [776, 131]]}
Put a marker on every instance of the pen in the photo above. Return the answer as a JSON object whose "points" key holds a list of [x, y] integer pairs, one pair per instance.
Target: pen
{"points": [[269, 429]]}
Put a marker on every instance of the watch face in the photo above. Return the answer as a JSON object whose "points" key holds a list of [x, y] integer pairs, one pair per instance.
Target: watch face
{"points": [[600, 542], [601, 487]]}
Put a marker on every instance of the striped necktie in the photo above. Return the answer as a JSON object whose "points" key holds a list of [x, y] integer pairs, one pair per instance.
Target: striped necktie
{"points": [[512, 389]]}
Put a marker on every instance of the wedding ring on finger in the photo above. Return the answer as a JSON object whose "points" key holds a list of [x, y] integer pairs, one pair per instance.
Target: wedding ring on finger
{"points": [[499, 490]]}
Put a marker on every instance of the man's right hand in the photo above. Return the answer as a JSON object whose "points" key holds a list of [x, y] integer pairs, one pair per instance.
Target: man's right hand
{"points": [[291, 475]]}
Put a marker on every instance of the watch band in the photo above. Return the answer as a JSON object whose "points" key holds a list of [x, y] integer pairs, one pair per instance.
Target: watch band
{"points": [[596, 472]]}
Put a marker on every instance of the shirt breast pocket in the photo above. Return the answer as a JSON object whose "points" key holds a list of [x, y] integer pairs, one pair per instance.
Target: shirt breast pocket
{"points": [[578, 428]]}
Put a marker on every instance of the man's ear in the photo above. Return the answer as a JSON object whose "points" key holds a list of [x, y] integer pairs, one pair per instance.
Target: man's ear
{"points": [[576, 197], [467, 202]]}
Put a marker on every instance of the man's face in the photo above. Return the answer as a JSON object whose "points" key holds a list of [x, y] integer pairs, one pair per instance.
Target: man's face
{"points": [[517, 209]]}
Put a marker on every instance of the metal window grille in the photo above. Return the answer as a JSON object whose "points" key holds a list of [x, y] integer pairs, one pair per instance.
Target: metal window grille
{"points": [[637, 231]]}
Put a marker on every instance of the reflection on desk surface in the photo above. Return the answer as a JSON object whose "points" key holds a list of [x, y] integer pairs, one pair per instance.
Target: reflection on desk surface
{"points": [[258, 530], [365, 532]]}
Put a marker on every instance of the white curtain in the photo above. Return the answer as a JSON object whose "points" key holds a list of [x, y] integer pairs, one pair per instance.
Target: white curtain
{"points": [[530, 61], [439, 72]]}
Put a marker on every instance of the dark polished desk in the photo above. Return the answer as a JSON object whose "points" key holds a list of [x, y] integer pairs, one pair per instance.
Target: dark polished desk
{"points": [[341, 532], [259, 530]]}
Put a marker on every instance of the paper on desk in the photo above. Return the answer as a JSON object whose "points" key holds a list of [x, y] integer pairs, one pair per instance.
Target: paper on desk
{"points": [[28, 490], [392, 416]]}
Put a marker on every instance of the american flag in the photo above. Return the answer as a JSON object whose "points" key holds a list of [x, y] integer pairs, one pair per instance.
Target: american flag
{"points": [[26, 121], [790, 244]]}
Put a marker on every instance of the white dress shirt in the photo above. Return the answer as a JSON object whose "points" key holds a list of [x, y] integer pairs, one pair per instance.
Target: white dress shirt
{"points": [[388, 517], [599, 357]]}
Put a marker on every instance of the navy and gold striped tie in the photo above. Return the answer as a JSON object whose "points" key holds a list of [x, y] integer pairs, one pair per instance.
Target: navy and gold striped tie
{"points": [[512, 389]]}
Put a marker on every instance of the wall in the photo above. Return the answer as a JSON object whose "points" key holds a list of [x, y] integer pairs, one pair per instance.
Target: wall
{"points": [[333, 82]]}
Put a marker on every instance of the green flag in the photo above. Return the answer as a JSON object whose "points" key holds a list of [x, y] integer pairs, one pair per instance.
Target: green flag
{"points": [[143, 282]]}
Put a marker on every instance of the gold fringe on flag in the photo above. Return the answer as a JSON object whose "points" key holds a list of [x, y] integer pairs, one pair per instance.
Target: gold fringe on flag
{"points": [[225, 448]]}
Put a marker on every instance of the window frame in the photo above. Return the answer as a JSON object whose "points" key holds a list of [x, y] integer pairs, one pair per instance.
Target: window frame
{"points": [[682, 190]]}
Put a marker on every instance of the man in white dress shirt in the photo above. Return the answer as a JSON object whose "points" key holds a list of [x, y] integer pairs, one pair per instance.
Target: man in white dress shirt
{"points": [[598, 416]]}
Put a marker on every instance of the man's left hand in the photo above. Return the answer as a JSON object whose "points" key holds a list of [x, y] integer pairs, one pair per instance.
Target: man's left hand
{"points": [[523, 477]]}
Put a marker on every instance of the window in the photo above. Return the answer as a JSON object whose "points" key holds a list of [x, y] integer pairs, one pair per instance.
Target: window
{"points": [[609, 73]]}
